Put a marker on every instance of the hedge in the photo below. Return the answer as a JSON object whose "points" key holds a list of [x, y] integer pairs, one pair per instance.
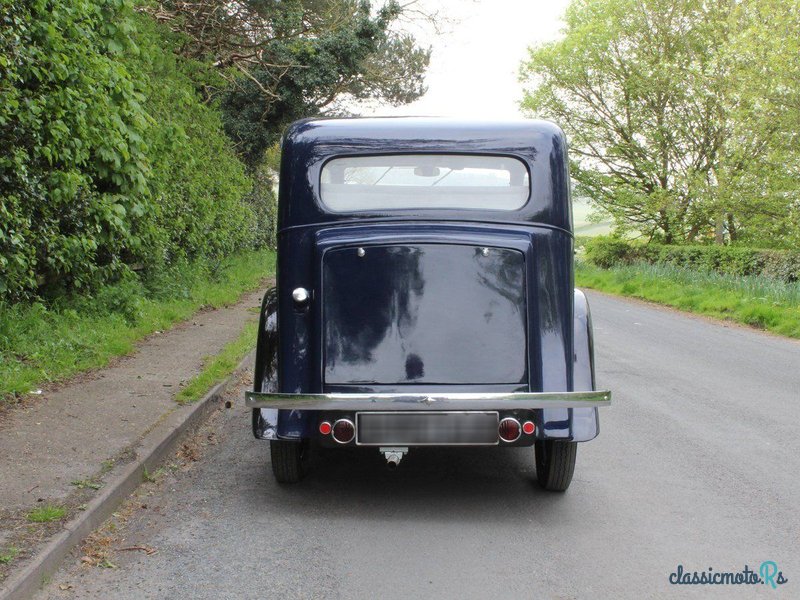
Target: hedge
{"points": [[607, 252], [111, 162]]}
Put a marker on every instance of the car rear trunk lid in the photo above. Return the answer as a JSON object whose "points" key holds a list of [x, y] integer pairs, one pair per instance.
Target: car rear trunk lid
{"points": [[424, 314]]}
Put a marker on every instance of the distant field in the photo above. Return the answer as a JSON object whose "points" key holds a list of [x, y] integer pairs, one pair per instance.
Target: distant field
{"points": [[580, 217]]}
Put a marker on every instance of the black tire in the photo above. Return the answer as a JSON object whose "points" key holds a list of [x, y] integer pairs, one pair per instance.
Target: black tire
{"points": [[555, 464], [289, 460]]}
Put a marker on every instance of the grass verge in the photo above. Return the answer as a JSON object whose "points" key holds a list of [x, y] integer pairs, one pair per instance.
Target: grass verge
{"points": [[46, 514], [757, 301], [41, 344], [7, 555], [220, 365]]}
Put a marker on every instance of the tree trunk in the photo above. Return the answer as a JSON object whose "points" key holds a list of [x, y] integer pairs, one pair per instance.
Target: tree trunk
{"points": [[732, 232], [665, 227], [719, 229]]}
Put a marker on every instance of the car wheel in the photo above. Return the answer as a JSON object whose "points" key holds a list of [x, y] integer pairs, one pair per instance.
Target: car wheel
{"points": [[289, 460], [555, 463]]}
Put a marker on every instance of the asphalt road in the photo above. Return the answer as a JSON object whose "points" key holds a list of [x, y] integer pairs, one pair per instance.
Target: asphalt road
{"points": [[697, 464]]}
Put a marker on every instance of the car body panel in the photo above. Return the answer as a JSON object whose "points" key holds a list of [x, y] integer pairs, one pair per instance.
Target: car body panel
{"points": [[536, 240]]}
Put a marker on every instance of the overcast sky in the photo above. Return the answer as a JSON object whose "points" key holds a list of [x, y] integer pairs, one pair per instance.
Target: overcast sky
{"points": [[475, 60]]}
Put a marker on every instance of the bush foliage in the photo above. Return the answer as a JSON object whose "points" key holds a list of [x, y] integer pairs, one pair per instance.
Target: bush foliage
{"points": [[110, 160], [607, 252]]}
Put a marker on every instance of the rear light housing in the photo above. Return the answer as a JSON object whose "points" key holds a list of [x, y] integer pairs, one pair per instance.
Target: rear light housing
{"points": [[509, 430], [344, 431]]}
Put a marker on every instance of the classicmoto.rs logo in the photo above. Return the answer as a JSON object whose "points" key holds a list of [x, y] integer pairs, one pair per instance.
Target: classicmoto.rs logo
{"points": [[766, 574]]}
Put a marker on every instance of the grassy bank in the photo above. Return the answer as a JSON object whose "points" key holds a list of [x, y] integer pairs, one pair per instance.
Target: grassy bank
{"points": [[756, 301], [41, 344], [218, 367]]}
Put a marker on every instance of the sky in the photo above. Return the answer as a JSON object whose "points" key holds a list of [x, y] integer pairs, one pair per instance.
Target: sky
{"points": [[476, 57]]}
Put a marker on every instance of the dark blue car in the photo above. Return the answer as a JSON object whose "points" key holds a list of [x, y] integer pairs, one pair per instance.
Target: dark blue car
{"points": [[425, 295]]}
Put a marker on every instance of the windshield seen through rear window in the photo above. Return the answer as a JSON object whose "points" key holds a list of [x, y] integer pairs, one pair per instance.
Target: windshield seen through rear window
{"points": [[404, 181]]}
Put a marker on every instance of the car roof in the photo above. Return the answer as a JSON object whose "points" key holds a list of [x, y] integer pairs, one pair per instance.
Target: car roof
{"points": [[309, 143], [516, 133]]}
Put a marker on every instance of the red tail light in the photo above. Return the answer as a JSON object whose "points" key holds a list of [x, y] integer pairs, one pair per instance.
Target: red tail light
{"points": [[528, 427], [325, 428], [344, 431], [509, 430]]}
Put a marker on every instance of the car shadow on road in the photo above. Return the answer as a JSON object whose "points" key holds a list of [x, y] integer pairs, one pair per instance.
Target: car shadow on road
{"points": [[434, 483]]}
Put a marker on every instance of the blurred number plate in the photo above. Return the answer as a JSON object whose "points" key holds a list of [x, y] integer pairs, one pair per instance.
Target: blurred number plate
{"points": [[426, 428]]}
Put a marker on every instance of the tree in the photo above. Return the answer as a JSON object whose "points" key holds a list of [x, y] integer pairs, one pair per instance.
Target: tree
{"points": [[288, 59], [767, 109], [649, 94]]}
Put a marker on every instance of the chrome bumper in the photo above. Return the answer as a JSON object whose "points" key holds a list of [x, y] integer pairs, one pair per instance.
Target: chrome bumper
{"points": [[436, 401]]}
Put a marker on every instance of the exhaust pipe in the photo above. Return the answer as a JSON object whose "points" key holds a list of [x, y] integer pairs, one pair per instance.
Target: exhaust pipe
{"points": [[393, 456], [393, 459]]}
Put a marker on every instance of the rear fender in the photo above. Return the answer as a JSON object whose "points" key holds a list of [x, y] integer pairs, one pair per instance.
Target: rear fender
{"points": [[265, 378], [577, 424], [585, 421]]}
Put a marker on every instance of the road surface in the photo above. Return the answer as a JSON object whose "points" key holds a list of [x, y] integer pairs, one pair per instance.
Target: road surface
{"points": [[697, 465]]}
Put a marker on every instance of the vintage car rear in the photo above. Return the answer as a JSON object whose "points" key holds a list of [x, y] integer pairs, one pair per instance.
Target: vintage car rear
{"points": [[425, 295]]}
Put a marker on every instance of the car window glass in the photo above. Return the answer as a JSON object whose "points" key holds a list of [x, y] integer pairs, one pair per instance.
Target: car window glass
{"points": [[403, 181]]}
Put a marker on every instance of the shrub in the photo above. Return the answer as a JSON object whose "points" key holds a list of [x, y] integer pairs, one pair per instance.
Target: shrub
{"points": [[607, 252], [73, 167], [110, 160], [264, 205], [783, 265]]}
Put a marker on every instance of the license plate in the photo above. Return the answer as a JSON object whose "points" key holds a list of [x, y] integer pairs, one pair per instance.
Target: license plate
{"points": [[426, 428]]}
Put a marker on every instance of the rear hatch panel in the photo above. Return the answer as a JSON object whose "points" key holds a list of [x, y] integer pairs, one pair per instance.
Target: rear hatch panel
{"points": [[423, 313]]}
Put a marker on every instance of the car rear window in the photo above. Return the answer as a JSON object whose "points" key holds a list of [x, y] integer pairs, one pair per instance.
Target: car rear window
{"points": [[403, 181]]}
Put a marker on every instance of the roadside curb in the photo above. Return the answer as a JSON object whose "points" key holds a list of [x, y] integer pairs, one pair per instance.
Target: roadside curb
{"points": [[156, 445]]}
